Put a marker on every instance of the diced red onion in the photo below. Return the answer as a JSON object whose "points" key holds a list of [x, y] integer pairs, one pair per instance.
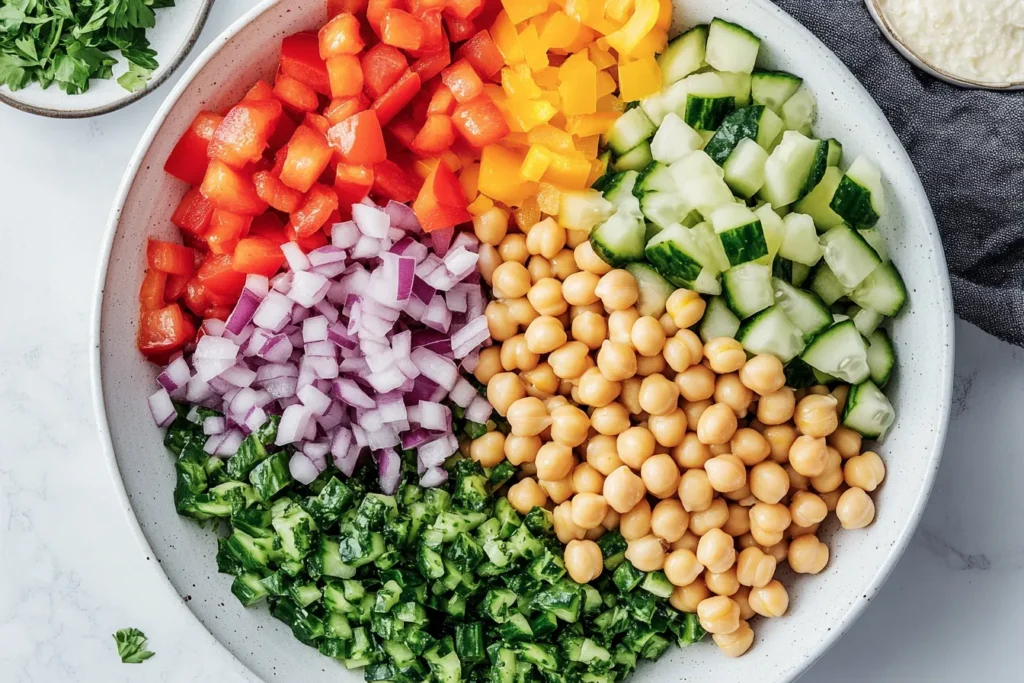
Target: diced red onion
{"points": [[297, 260], [302, 469], [255, 290], [470, 362], [437, 316], [347, 463], [416, 438], [433, 477], [254, 419], [308, 288], [441, 240], [385, 437], [162, 408], [434, 416], [241, 403], [321, 348], [295, 421], [281, 282], [460, 262], [389, 467], [238, 375], [344, 235], [463, 393], [324, 367], [470, 337], [230, 441], [313, 399], [435, 367], [434, 453], [402, 216], [277, 349], [371, 221], [274, 313], [366, 247], [314, 329], [349, 393], [327, 310], [175, 376], [479, 410], [214, 425], [213, 327], [337, 334]]}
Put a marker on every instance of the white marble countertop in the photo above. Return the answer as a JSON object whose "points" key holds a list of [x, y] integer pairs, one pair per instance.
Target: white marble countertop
{"points": [[71, 573]]}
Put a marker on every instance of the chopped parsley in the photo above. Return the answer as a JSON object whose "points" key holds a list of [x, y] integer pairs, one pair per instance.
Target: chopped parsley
{"points": [[131, 646]]}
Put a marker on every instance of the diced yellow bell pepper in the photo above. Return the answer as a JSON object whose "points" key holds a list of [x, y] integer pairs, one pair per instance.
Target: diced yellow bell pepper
{"points": [[521, 10], [583, 40], [640, 23], [558, 3], [533, 50], [469, 178], [558, 120], [535, 163], [451, 160], [529, 113], [482, 204], [552, 138], [588, 145], [568, 170], [499, 176], [547, 78], [515, 139], [651, 44], [639, 79], [591, 124], [597, 169], [560, 31], [424, 167], [664, 15], [549, 198], [607, 103], [517, 81], [579, 94], [528, 213], [618, 10], [506, 38], [601, 58], [606, 85]]}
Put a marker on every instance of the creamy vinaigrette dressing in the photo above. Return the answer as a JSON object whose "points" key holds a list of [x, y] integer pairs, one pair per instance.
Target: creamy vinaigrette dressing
{"points": [[979, 40]]}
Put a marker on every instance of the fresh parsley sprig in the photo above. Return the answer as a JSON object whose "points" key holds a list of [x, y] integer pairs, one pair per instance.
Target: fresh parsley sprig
{"points": [[131, 646]]}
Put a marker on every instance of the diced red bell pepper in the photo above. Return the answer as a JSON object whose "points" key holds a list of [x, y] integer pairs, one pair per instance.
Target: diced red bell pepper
{"points": [[151, 293], [340, 36], [459, 29], [382, 66], [359, 139], [195, 297], [217, 275], [404, 129], [317, 122], [257, 255], [463, 81], [268, 226], [402, 30], [175, 287], [245, 132], [391, 181], [218, 313], [434, 38], [193, 212], [225, 230], [295, 94], [346, 76], [188, 160], [441, 202], [286, 126], [309, 243], [336, 7], [231, 190], [340, 109], [463, 9], [429, 66], [442, 102], [483, 54], [436, 135], [397, 97], [353, 182], [421, 7], [311, 216], [164, 330], [480, 122], [261, 90], [307, 157], [375, 10], [300, 59], [170, 257]]}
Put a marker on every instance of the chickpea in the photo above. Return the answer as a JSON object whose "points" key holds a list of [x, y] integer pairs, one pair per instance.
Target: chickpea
{"points": [[669, 430], [693, 411], [695, 491], [563, 263], [558, 490], [511, 280], [719, 615], [669, 522], [780, 439], [588, 510], [687, 598], [769, 482], [569, 425], [630, 395], [539, 268], [546, 238], [677, 354], [516, 356], [595, 390], [490, 226], [716, 425], [589, 261], [726, 472], [602, 454], [832, 497], [591, 329], [647, 554], [807, 509], [504, 389], [742, 598], [544, 335], [489, 449], [742, 494], [715, 551], [546, 297], [611, 420], [618, 290], [738, 522], [520, 449], [668, 325], [682, 567], [832, 477], [578, 289], [855, 509], [730, 391], [650, 365], [565, 528], [763, 374], [647, 336], [688, 541], [574, 238], [658, 396], [620, 326], [636, 522], [554, 461], [796, 530], [772, 518], [771, 600], [807, 555], [521, 311], [635, 445], [586, 479], [846, 441], [719, 449], [623, 489], [488, 261], [723, 583], [691, 453], [754, 567], [499, 321], [660, 475], [686, 308], [513, 248], [816, 415], [735, 644], [797, 481], [840, 394], [777, 407], [808, 455], [865, 471], [528, 416], [616, 361], [583, 560], [715, 516], [540, 382], [749, 446], [525, 495], [488, 365], [696, 383], [724, 355]]}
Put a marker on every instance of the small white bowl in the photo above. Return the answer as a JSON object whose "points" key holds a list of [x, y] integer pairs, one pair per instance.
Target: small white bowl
{"points": [[176, 31], [878, 14], [823, 607]]}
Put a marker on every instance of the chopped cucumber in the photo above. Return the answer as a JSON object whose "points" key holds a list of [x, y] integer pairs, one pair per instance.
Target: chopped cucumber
{"points": [[800, 274], [757, 123], [654, 289], [676, 254], [771, 331], [583, 210], [663, 209], [801, 241], [620, 239], [774, 231], [744, 169], [835, 152], [738, 85], [731, 47], [718, 320], [823, 282], [740, 232], [636, 159], [816, 203], [670, 100], [683, 55], [805, 309], [868, 412], [793, 169], [655, 177], [799, 110], [849, 256], [628, 131], [881, 357], [708, 240], [619, 191], [874, 238], [839, 351], [867, 321], [709, 99], [859, 198], [882, 291], [701, 183], [674, 140], [774, 88], [748, 289]]}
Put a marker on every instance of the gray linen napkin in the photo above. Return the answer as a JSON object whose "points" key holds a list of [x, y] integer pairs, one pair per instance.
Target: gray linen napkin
{"points": [[967, 146]]}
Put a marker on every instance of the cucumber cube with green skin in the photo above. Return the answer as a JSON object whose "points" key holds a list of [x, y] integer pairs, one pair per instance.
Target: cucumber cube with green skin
{"points": [[684, 54], [774, 231], [817, 202], [627, 577], [430, 563], [620, 239], [498, 604], [654, 289], [823, 282], [271, 475], [524, 544], [469, 641], [619, 191], [249, 589], [305, 594], [334, 498], [850, 257], [675, 254], [542, 656], [747, 289], [306, 627], [464, 552], [744, 169], [444, 663], [635, 159], [296, 528], [387, 597], [709, 99], [543, 623], [799, 375], [655, 177], [451, 524], [740, 233], [804, 309], [841, 352], [662, 209], [774, 88], [747, 123], [539, 521], [868, 412], [628, 131], [772, 332], [881, 357], [800, 243], [674, 140], [876, 241], [731, 47], [249, 454], [583, 210], [859, 198], [799, 110], [612, 543], [883, 291], [563, 599], [718, 320], [700, 182], [516, 628], [503, 668], [835, 152], [738, 85], [793, 169], [867, 321], [657, 584], [670, 99]]}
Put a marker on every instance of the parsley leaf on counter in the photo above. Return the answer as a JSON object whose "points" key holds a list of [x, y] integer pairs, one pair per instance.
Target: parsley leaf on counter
{"points": [[70, 42], [131, 644]]}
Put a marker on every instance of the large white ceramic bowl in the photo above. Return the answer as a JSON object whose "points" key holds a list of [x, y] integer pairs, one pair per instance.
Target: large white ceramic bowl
{"points": [[822, 607]]}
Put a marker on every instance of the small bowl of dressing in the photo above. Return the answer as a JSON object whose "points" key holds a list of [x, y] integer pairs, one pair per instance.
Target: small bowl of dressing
{"points": [[969, 43]]}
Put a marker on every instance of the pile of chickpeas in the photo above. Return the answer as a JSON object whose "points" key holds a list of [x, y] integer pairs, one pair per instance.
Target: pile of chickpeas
{"points": [[709, 466]]}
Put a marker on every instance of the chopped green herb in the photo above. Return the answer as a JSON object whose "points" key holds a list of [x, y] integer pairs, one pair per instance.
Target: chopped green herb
{"points": [[131, 646]]}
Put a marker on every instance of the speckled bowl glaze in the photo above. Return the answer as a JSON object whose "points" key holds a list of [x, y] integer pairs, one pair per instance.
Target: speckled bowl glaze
{"points": [[176, 31], [822, 607]]}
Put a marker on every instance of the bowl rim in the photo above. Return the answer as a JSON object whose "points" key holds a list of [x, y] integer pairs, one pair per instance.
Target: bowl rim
{"points": [[878, 14], [10, 98], [912, 520]]}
